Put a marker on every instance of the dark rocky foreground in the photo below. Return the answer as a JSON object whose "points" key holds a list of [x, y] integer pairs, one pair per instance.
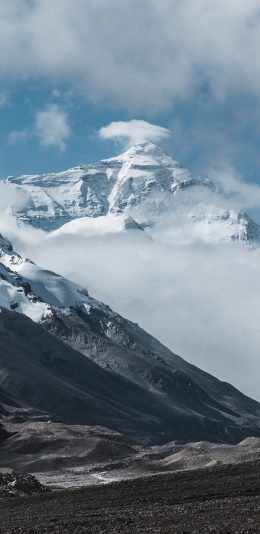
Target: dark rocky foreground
{"points": [[221, 499]]}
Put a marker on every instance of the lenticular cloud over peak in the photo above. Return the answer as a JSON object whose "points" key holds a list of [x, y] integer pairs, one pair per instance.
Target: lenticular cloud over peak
{"points": [[134, 131]]}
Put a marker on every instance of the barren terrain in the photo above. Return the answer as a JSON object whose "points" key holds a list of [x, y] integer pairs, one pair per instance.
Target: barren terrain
{"points": [[222, 499]]}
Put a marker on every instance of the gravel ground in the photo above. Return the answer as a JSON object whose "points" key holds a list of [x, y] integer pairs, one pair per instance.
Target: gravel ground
{"points": [[220, 500]]}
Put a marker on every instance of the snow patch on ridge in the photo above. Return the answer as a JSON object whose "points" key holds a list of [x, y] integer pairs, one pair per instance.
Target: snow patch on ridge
{"points": [[39, 293], [89, 227]]}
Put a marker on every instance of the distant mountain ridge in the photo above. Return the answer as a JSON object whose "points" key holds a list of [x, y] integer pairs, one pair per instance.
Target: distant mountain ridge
{"points": [[144, 184]]}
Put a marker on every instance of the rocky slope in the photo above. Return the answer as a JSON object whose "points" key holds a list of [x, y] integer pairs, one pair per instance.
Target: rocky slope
{"points": [[143, 183], [41, 372], [139, 387], [79, 455]]}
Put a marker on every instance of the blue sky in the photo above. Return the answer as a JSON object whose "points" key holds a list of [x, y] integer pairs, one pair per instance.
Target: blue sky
{"points": [[28, 154], [188, 66], [200, 135]]}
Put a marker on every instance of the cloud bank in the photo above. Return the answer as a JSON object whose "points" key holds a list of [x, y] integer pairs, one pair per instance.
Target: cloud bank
{"points": [[133, 131], [201, 300], [240, 193], [138, 55]]}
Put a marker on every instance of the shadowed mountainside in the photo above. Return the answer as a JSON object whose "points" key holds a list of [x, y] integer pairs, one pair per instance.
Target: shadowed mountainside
{"points": [[40, 371]]}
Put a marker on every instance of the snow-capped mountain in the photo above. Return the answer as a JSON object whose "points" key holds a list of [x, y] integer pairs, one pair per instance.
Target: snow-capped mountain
{"points": [[143, 186], [155, 394], [37, 292]]}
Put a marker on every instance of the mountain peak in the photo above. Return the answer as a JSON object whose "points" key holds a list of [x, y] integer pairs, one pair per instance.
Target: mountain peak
{"points": [[145, 153], [145, 147], [142, 182]]}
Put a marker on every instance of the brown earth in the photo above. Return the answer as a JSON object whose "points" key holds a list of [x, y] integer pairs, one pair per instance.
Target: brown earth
{"points": [[222, 499]]}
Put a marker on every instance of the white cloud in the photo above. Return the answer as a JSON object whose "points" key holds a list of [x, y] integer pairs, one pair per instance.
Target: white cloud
{"points": [[18, 136], [133, 131], [139, 55], [52, 127], [202, 300], [242, 194], [4, 99], [11, 197]]}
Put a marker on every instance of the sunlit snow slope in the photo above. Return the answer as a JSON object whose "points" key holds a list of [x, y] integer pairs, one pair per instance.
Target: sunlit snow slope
{"points": [[140, 189]]}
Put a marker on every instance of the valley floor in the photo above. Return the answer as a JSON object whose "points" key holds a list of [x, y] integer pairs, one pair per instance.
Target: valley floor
{"points": [[222, 499]]}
